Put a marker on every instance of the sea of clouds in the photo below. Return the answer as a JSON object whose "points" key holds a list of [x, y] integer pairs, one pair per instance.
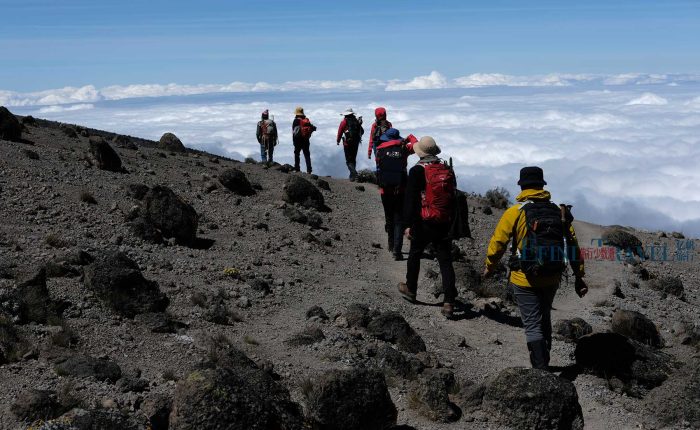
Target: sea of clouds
{"points": [[623, 149]]}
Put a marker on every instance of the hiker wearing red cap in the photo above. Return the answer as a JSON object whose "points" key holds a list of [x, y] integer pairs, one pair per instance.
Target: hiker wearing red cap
{"points": [[392, 159], [543, 241], [429, 210], [266, 134], [301, 135], [379, 127], [350, 131]]}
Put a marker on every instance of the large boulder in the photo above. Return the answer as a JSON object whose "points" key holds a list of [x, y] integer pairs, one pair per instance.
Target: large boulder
{"points": [[623, 240], [122, 141], [10, 128], [170, 142], [396, 363], [83, 366], [36, 404], [299, 190], [668, 285], [235, 395], [165, 214], [392, 327], [634, 363], [353, 399], [430, 395], [117, 280], [531, 398], [236, 181], [29, 301], [103, 156], [636, 326]]}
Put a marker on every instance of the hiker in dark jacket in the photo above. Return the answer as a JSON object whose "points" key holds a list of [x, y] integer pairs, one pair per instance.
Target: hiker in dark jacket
{"points": [[350, 131], [392, 159], [379, 127], [301, 135], [427, 222], [266, 134], [534, 293]]}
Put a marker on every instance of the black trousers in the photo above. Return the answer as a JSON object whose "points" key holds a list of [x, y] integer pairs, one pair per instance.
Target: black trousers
{"points": [[437, 234], [299, 146], [393, 209], [351, 152]]}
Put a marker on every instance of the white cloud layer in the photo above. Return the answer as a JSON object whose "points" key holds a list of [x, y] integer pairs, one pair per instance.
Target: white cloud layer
{"points": [[622, 149], [435, 80]]}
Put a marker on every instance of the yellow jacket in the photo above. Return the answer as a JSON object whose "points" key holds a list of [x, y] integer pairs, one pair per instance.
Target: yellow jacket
{"points": [[502, 236]]}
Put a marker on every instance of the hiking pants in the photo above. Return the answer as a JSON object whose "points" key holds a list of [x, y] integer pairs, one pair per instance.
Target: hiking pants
{"points": [[351, 157], [266, 150], [299, 146], [437, 234], [393, 209], [535, 306]]}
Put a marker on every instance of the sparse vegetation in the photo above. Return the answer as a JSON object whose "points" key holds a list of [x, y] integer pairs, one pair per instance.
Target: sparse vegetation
{"points": [[366, 176], [170, 375], [56, 241], [66, 337], [623, 240], [199, 299], [87, 197], [250, 340], [250, 160], [498, 198], [232, 272]]}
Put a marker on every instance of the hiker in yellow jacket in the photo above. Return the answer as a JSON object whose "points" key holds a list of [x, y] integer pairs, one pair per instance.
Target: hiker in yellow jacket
{"points": [[536, 268]]}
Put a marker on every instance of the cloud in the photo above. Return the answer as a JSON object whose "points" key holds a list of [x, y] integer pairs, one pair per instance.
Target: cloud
{"points": [[648, 99], [496, 79], [433, 81], [59, 108]]}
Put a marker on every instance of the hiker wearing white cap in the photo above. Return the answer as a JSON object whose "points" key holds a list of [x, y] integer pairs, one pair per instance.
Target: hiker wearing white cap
{"points": [[350, 131], [429, 207]]}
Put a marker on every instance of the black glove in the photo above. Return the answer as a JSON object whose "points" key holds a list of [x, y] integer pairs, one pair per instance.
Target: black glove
{"points": [[580, 287]]}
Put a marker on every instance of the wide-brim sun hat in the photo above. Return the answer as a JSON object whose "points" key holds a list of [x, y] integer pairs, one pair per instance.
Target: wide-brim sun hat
{"points": [[348, 111], [426, 146]]}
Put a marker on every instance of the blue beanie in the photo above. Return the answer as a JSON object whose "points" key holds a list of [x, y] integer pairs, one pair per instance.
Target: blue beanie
{"points": [[391, 134]]}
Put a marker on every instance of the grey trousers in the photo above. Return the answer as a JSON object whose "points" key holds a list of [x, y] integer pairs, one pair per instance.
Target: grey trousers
{"points": [[536, 311]]}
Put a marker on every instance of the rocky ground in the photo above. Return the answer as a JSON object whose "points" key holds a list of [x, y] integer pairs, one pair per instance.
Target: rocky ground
{"points": [[144, 285]]}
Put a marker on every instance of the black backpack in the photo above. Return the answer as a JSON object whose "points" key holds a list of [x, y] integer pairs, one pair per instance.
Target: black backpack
{"points": [[354, 132], [391, 166], [543, 251]]}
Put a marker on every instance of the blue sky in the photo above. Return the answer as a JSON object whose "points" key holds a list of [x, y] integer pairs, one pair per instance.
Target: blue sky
{"points": [[49, 44]]}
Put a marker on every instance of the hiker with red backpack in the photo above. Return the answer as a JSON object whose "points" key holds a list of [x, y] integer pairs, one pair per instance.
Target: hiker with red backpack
{"points": [[392, 158], [379, 127], [350, 131], [429, 209], [301, 135], [543, 241], [266, 134]]}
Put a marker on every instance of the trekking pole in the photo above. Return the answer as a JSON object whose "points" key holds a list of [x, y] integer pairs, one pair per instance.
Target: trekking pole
{"points": [[562, 209]]}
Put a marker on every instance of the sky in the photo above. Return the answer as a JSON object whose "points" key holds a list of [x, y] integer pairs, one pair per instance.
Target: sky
{"points": [[49, 44], [604, 95]]}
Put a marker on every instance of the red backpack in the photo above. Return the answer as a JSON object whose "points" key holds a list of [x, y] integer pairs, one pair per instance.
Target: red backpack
{"points": [[305, 128], [438, 199]]}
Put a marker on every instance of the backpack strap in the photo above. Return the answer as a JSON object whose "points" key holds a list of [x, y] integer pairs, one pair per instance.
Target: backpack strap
{"points": [[514, 246]]}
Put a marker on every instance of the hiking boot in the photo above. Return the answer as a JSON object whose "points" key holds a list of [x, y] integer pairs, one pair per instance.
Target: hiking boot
{"points": [[406, 293], [398, 256], [447, 310], [539, 355]]}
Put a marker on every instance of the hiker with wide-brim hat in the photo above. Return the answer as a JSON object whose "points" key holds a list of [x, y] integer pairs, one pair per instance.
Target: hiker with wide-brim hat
{"points": [[350, 131], [301, 135], [543, 241], [429, 210]]}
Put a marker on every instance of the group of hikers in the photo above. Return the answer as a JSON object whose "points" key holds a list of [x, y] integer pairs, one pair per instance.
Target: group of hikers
{"points": [[421, 204]]}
